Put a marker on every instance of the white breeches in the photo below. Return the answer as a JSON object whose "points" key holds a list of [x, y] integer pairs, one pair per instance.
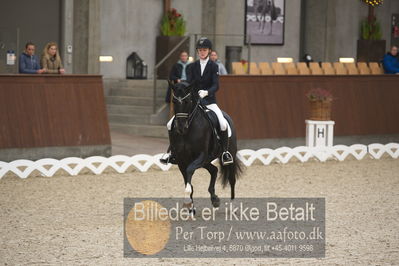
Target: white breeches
{"points": [[224, 125]]}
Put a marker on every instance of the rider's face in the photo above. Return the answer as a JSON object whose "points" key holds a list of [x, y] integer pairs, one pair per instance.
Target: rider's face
{"points": [[203, 53]]}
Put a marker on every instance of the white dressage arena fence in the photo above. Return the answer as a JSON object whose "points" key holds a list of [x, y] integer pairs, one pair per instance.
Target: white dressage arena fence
{"points": [[120, 163]]}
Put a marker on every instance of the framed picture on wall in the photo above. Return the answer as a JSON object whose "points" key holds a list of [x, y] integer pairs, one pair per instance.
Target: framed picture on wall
{"points": [[395, 30], [264, 21]]}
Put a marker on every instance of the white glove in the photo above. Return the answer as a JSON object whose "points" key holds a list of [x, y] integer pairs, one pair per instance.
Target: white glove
{"points": [[202, 93]]}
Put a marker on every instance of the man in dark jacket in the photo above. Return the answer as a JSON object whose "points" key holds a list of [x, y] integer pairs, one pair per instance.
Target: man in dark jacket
{"points": [[391, 62], [206, 73], [28, 62], [178, 72]]}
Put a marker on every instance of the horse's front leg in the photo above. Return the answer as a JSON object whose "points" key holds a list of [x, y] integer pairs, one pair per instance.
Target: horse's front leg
{"points": [[182, 169], [189, 190], [213, 170]]}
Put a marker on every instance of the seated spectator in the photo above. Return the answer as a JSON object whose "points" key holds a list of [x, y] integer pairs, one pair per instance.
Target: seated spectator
{"points": [[214, 57], [178, 72], [391, 62], [29, 62], [51, 60]]}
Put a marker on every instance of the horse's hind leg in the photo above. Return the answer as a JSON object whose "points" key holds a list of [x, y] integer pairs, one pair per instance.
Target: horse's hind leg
{"points": [[213, 170]]}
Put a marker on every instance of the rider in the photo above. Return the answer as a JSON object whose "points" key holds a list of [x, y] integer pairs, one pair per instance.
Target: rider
{"points": [[205, 72]]}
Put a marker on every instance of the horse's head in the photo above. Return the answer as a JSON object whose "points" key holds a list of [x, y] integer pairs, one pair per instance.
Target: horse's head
{"points": [[184, 101]]}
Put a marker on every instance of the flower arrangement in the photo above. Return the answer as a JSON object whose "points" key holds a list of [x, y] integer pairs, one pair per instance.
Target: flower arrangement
{"points": [[373, 2], [319, 94], [370, 28], [173, 24]]}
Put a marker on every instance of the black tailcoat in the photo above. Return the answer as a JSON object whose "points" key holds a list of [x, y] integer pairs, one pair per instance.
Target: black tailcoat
{"points": [[208, 81]]}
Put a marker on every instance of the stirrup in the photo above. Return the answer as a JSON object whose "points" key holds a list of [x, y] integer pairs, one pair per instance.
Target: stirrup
{"points": [[229, 158]]}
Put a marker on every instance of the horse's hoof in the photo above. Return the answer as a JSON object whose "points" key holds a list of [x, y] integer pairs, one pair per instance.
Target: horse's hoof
{"points": [[192, 212], [215, 202]]}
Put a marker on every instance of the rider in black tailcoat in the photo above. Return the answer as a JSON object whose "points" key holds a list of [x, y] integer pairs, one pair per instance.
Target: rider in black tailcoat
{"points": [[204, 72], [208, 81]]}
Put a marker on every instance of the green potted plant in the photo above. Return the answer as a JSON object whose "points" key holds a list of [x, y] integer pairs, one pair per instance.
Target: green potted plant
{"points": [[370, 47], [173, 24], [172, 31], [320, 104]]}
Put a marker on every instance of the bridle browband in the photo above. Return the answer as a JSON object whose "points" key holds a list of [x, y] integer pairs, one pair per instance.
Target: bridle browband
{"points": [[180, 99]]}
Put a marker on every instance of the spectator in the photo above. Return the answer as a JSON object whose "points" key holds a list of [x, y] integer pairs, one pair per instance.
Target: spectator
{"points": [[391, 62], [29, 62], [51, 60], [214, 57], [178, 72]]}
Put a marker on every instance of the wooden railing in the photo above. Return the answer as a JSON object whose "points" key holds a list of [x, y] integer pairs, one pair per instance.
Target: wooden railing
{"points": [[276, 106], [52, 110]]}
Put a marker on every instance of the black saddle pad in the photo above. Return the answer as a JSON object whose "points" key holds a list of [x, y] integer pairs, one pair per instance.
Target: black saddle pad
{"points": [[213, 118]]}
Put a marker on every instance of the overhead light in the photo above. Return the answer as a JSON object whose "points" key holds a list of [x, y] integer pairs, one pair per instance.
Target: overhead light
{"points": [[285, 59], [346, 60], [106, 58]]}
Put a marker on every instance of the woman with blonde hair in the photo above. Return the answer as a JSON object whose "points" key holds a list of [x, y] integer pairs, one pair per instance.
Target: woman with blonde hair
{"points": [[51, 60]]}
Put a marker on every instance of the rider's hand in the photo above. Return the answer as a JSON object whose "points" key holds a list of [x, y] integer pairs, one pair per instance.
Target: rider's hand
{"points": [[202, 93]]}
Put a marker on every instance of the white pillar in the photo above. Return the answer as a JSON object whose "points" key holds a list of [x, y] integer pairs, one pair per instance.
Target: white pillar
{"points": [[67, 34]]}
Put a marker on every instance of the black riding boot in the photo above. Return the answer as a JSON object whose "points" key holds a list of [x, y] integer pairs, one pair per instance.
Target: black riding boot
{"points": [[227, 158], [171, 158]]}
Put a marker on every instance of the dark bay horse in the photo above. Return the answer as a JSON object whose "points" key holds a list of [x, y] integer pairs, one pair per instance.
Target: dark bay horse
{"points": [[194, 144]]}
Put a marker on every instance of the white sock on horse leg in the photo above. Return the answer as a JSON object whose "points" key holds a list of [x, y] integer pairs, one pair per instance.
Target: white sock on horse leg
{"points": [[187, 193]]}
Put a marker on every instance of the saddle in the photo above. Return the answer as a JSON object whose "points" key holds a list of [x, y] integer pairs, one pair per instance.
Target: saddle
{"points": [[213, 122]]}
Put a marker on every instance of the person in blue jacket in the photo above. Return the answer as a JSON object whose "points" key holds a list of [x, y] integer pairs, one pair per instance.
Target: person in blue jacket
{"points": [[391, 61], [28, 62]]}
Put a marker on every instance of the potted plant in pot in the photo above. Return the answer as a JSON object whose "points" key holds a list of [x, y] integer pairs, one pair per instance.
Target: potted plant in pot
{"points": [[320, 104], [172, 29], [371, 47]]}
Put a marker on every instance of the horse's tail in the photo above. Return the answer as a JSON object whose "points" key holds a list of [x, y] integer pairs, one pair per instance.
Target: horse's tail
{"points": [[230, 173]]}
